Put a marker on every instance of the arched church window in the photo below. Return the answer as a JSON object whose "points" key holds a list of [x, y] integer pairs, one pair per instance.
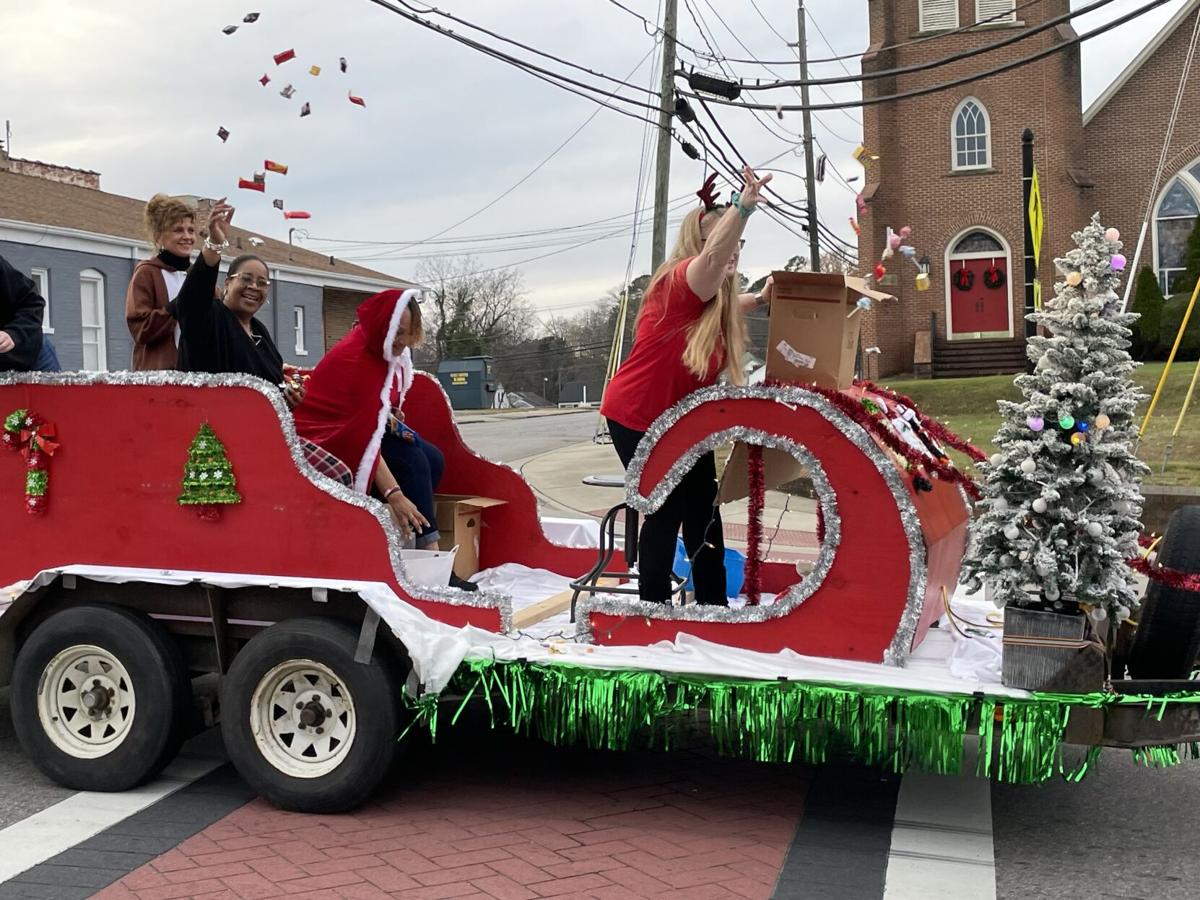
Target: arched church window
{"points": [[972, 145], [1176, 215], [977, 242]]}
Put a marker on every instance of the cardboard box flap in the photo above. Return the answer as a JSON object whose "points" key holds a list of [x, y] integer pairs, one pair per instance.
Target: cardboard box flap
{"points": [[467, 500], [859, 286]]}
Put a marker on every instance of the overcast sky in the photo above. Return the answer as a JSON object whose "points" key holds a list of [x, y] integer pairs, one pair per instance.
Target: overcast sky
{"points": [[137, 90]]}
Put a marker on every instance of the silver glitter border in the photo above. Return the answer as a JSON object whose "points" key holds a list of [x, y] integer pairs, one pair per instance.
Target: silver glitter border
{"points": [[448, 595], [791, 396]]}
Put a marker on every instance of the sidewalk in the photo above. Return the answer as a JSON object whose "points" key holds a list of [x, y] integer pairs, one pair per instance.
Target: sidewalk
{"points": [[789, 522]]}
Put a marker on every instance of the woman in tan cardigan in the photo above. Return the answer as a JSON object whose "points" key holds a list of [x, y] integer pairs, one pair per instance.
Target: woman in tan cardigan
{"points": [[148, 311]]}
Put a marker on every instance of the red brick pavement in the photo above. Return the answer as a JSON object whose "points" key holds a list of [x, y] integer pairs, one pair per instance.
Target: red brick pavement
{"points": [[529, 822]]}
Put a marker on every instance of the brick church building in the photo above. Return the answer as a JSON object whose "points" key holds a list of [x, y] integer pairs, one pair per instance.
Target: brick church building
{"points": [[949, 165]]}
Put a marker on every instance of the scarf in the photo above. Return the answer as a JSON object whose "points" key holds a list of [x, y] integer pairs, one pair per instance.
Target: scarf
{"points": [[356, 385], [171, 261]]}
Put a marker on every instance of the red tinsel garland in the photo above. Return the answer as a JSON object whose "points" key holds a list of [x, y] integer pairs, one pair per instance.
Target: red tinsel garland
{"points": [[1173, 578], [876, 427], [757, 486], [940, 432]]}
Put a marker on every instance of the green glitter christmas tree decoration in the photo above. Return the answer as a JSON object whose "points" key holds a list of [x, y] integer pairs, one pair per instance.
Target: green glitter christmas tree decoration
{"points": [[208, 475]]}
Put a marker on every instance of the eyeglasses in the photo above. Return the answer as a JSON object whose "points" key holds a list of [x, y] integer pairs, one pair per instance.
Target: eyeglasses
{"points": [[249, 280]]}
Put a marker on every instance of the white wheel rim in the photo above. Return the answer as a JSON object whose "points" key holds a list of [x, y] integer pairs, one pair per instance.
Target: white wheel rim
{"points": [[303, 719], [86, 701]]}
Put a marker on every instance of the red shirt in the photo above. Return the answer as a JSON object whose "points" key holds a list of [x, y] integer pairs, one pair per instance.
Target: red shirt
{"points": [[654, 378]]}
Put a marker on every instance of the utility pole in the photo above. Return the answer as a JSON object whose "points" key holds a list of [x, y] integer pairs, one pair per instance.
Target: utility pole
{"points": [[662, 166], [810, 173]]}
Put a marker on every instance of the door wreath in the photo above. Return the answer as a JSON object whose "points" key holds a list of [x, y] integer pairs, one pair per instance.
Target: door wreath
{"points": [[993, 277], [964, 279]]}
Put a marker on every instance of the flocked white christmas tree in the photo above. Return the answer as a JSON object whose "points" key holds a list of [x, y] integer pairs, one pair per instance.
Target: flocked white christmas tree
{"points": [[1062, 497]]}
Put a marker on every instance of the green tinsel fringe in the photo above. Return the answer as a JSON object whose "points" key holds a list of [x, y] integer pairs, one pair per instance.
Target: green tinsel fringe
{"points": [[1020, 741]]}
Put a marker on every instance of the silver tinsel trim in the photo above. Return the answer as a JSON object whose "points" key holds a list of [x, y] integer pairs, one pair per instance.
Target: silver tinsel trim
{"points": [[448, 595], [783, 605], [792, 397]]}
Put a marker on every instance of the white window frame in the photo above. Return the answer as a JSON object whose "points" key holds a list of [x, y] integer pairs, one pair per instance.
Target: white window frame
{"points": [[298, 327], [92, 276], [987, 136], [1193, 185], [952, 257], [981, 13], [922, 4], [41, 278]]}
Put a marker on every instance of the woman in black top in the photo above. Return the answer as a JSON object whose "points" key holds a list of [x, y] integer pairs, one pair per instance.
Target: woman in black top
{"points": [[222, 335]]}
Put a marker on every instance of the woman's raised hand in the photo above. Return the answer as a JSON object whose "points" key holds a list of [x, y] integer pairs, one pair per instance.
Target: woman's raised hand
{"points": [[751, 188], [218, 221]]}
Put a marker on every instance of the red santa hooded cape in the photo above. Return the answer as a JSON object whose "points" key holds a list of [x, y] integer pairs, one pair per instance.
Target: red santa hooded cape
{"points": [[355, 386]]}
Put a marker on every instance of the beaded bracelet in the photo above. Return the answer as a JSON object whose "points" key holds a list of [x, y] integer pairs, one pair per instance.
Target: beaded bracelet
{"points": [[735, 200]]}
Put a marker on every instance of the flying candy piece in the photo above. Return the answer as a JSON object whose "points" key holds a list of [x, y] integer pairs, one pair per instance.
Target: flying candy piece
{"points": [[822, 162], [860, 153], [281, 58], [861, 203], [342, 64], [305, 110], [248, 184], [893, 240], [288, 92], [779, 113], [223, 134], [880, 270], [250, 18], [265, 80], [887, 253], [229, 29], [278, 204], [907, 252], [297, 214], [277, 168], [905, 231], [357, 101], [314, 70], [855, 226], [872, 350]]}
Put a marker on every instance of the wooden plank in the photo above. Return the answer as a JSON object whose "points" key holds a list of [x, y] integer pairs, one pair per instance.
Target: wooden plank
{"points": [[551, 606]]}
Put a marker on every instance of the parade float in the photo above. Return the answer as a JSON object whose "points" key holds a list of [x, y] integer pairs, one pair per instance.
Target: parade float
{"points": [[163, 525]]}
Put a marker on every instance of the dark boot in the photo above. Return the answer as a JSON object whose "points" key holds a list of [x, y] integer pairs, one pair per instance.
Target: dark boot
{"points": [[462, 584]]}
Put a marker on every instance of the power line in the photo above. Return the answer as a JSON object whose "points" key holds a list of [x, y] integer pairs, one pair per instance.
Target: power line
{"points": [[959, 82], [1011, 39]]}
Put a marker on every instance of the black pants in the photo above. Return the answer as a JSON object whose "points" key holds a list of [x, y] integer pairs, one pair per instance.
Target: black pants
{"points": [[692, 506]]}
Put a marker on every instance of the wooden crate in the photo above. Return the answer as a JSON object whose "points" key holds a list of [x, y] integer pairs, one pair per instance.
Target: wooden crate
{"points": [[1072, 670]]}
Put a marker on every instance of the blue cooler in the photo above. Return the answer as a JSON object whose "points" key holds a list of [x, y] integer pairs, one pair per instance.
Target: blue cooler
{"points": [[735, 569]]}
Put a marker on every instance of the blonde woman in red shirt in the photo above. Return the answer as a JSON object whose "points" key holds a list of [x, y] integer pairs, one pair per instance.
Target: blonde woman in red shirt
{"points": [[691, 328]]}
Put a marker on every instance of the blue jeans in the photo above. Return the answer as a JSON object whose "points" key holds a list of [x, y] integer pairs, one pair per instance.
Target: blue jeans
{"points": [[47, 360], [417, 466]]}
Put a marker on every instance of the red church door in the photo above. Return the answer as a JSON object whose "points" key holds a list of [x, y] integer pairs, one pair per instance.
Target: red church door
{"points": [[980, 290]]}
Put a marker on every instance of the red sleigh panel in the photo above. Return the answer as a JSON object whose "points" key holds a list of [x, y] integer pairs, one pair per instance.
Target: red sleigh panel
{"points": [[871, 595], [115, 480]]}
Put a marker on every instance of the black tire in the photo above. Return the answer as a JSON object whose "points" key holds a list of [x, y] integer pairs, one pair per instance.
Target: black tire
{"points": [[161, 691], [1167, 641], [373, 701]]}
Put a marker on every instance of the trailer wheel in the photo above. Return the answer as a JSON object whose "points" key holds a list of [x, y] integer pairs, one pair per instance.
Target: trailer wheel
{"points": [[1167, 640], [308, 727], [100, 698]]}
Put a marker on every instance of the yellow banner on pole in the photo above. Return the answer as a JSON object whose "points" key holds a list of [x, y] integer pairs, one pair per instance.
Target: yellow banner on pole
{"points": [[1037, 219]]}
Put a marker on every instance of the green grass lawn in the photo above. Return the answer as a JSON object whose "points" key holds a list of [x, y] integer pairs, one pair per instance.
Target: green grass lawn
{"points": [[968, 407]]}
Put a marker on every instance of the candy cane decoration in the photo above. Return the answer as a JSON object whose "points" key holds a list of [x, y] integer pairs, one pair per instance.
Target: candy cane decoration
{"points": [[34, 437]]}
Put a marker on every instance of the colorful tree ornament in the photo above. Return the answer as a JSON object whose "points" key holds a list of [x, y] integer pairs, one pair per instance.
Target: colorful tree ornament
{"points": [[208, 479], [1118, 262], [1066, 422], [1035, 423], [1112, 235], [1103, 421], [1074, 279]]}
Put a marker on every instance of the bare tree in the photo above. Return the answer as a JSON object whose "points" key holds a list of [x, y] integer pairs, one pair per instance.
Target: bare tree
{"points": [[473, 311]]}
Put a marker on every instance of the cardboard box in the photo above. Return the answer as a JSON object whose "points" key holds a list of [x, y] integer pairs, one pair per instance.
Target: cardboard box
{"points": [[812, 336], [460, 521]]}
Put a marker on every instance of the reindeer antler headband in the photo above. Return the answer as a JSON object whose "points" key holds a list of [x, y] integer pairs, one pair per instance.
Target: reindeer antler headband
{"points": [[707, 196]]}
